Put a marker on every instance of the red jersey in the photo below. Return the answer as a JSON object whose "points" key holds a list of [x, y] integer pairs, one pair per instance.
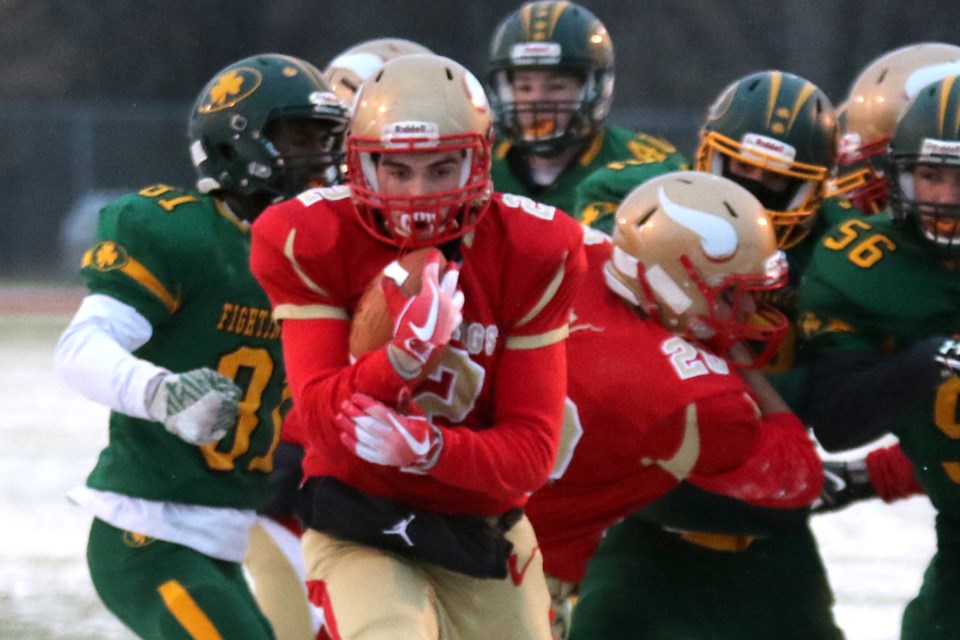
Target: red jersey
{"points": [[647, 409], [501, 383]]}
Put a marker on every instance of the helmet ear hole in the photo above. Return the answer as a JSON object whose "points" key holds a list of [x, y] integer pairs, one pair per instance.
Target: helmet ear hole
{"points": [[228, 152], [238, 122]]}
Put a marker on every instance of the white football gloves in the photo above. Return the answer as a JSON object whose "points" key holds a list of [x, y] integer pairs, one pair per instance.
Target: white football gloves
{"points": [[381, 435], [424, 322], [199, 406]]}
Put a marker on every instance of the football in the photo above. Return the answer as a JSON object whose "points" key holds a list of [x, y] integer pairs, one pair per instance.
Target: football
{"points": [[372, 325]]}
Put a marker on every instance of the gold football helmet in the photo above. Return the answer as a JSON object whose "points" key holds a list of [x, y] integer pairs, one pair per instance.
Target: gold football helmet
{"points": [[869, 115], [422, 103], [347, 72], [691, 249]]}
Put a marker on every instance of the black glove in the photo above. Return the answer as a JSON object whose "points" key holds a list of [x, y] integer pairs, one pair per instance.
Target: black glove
{"points": [[948, 357], [284, 482], [843, 484]]}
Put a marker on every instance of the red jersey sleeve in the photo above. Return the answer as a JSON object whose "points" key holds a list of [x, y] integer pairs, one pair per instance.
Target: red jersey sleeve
{"points": [[782, 471], [516, 454], [295, 257]]}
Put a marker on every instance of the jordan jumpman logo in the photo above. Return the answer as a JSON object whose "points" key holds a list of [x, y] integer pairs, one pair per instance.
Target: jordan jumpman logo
{"points": [[400, 529]]}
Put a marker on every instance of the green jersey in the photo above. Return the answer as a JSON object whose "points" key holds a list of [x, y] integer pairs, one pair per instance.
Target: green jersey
{"points": [[873, 285], [511, 175], [783, 371], [876, 288], [596, 199], [181, 260]]}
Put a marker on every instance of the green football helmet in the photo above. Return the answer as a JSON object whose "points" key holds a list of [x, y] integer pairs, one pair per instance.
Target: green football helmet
{"points": [[927, 139], [776, 135], [555, 36], [264, 129]]}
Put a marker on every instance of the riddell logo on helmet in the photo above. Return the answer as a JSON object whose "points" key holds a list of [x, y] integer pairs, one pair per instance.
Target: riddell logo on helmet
{"points": [[933, 147], [419, 133], [536, 52], [325, 99], [766, 148]]}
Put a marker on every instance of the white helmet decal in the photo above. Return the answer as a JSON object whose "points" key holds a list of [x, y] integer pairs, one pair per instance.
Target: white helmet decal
{"points": [[718, 238], [926, 76]]}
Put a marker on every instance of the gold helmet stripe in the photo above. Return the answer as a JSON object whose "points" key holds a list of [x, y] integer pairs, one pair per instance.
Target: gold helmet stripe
{"points": [[804, 95], [540, 19], [956, 122], [776, 79], [944, 98]]}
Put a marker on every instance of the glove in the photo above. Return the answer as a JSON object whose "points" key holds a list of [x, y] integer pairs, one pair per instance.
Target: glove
{"points": [[843, 484], [378, 434], [563, 597], [425, 321], [198, 406], [948, 357]]}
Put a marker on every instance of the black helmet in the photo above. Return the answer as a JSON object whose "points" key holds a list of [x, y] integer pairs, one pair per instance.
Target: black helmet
{"points": [[249, 109]]}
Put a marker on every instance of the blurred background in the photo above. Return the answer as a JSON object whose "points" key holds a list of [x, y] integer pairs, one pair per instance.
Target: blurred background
{"points": [[94, 94]]}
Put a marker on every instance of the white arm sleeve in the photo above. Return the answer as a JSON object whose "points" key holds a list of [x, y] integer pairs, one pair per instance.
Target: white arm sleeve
{"points": [[94, 355]]}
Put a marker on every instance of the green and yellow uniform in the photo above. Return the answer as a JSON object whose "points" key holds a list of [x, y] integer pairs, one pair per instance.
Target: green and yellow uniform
{"points": [[597, 197], [180, 259], [876, 303], [611, 144]]}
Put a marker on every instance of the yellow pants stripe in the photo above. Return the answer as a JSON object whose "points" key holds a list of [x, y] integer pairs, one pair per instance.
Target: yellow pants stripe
{"points": [[187, 612]]}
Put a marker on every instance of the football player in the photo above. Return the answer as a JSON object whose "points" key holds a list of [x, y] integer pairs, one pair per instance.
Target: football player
{"points": [[773, 133], [869, 115], [176, 337], [417, 478], [870, 112], [550, 80], [880, 304], [706, 240]]}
